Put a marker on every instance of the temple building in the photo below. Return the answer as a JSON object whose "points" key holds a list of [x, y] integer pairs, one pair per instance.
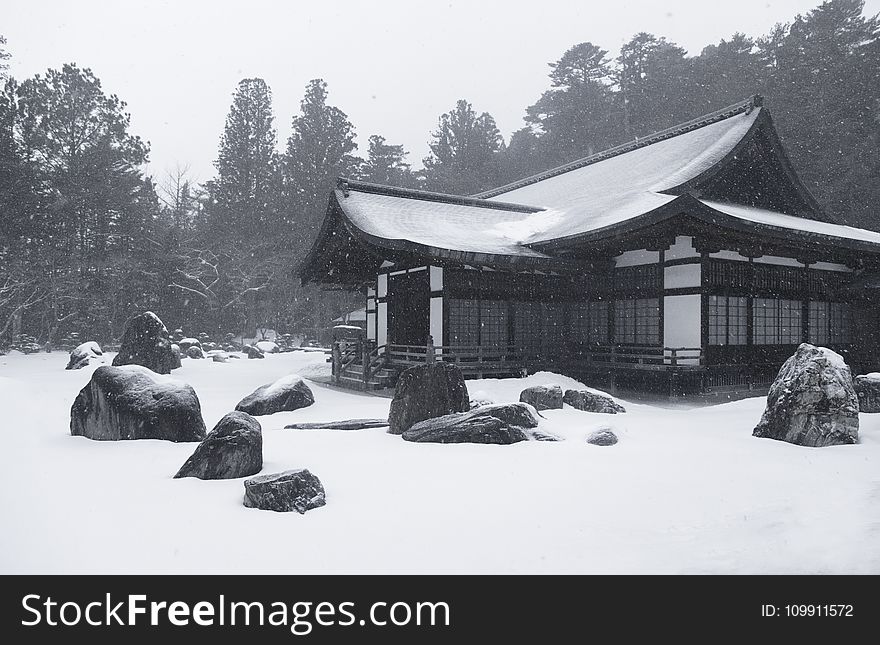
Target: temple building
{"points": [[692, 260]]}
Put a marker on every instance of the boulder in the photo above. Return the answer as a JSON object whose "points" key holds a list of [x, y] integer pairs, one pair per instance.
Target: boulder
{"points": [[602, 437], [132, 402], [286, 394], [496, 424], [219, 356], [186, 343], [252, 352], [424, 392], [291, 490], [587, 401], [84, 355], [812, 402], [195, 352], [145, 342], [867, 387], [267, 347], [175, 353], [543, 397], [234, 448]]}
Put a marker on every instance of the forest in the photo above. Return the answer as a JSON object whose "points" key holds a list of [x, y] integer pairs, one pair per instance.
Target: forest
{"points": [[88, 239]]}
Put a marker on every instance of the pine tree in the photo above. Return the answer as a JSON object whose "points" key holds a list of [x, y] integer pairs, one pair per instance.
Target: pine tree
{"points": [[318, 151], [385, 164], [243, 197], [464, 151]]}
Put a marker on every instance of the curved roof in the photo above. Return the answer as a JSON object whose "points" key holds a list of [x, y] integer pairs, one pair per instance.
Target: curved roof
{"points": [[617, 188]]}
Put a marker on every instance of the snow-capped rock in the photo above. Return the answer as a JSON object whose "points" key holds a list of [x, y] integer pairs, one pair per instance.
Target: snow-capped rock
{"points": [[133, 402], [812, 401], [145, 342], [587, 401], [234, 448], [543, 397], [867, 387], [495, 424], [427, 391], [286, 394], [84, 355], [291, 490]]}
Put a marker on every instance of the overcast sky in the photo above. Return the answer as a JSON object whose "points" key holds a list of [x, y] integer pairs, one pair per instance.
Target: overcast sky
{"points": [[393, 66]]}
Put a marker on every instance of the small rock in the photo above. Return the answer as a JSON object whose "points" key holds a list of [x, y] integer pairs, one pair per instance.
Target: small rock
{"points": [[286, 394], [175, 353], [543, 397], [234, 448], [267, 347], [195, 352], [587, 401], [84, 355], [867, 387], [349, 424], [602, 437], [252, 352], [291, 490]]}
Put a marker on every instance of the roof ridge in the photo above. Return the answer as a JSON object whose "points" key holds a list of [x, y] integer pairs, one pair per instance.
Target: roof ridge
{"points": [[344, 184], [746, 106]]}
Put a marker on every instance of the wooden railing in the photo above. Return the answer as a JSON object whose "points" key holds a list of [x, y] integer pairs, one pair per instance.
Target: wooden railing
{"points": [[517, 357]]}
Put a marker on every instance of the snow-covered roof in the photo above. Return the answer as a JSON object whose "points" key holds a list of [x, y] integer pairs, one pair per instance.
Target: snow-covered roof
{"points": [[671, 173], [456, 224], [765, 218], [616, 188]]}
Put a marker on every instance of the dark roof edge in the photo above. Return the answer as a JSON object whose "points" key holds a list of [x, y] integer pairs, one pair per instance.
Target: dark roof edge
{"points": [[687, 204], [745, 106], [344, 184]]}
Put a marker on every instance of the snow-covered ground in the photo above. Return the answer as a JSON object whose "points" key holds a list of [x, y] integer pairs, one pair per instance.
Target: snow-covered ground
{"points": [[684, 491]]}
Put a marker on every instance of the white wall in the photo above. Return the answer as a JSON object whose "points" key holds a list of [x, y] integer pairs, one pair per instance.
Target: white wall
{"points": [[382, 323], [682, 248], [435, 328], [681, 322], [383, 285], [830, 266], [729, 255], [636, 258], [681, 275], [436, 278], [776, 259]]}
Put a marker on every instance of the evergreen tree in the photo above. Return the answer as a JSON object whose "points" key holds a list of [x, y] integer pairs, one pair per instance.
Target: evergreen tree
{"points": [[319, 150], [464, 151], [243, 197], [385, 164]]}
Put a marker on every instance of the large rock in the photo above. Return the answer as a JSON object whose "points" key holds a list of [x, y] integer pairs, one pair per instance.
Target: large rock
{"points": [[543, 397], [234, 448], [348, 424], [84, 355], [602, 437], [497, 424], [867, 387], [587, 401], [132, 402], [252, 352], [286, 394], [424, 392], [145, 341], [292, 490], [812, 401]]}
